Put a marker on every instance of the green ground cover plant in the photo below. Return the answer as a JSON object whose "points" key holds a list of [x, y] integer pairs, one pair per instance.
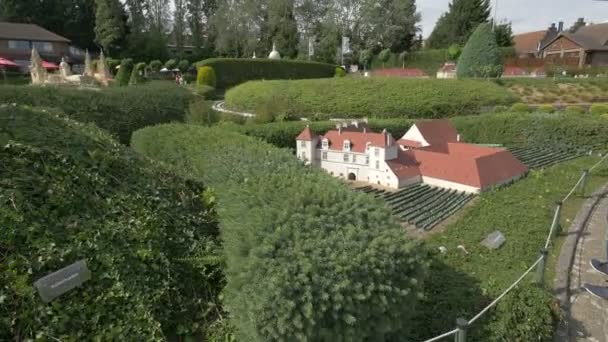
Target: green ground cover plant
{"points": [[563, 90], [119, 110], [307, 258], [68, 191], [381, 97], [233, 71]]}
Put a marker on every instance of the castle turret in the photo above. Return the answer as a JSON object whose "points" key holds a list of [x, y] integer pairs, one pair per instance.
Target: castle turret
{"points": [[306, 145]]}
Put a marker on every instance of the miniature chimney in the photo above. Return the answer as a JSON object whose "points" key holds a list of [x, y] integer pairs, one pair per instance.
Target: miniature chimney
{"points": [[339, 130], [364, 129], [552, 28], [560, 28]]}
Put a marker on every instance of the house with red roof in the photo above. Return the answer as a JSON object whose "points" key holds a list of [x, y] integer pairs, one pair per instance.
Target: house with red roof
{"points": [[429, 152]]}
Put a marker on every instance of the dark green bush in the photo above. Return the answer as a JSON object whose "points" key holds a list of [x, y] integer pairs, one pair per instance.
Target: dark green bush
{"points": [[206, 91], [156, 65], [171, 64], [234, 71], [480, 56], [520, 107], [372, 97], [183, 65], [119, 110], [340, 72], [200, 112], [307, 258], [70, 192], [206, 76], [500, 109], [575, 110], [599, 109], [526, 314], [112, 64], [137, 76]]}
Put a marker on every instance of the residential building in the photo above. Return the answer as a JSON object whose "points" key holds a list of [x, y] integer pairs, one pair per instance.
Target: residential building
{"points": [[588, 43], [430, 152], [17, 41], [447, 70], [530, 44]]}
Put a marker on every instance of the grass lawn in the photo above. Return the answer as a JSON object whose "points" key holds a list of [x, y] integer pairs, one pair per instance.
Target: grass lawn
{"points": [[462, 284]]}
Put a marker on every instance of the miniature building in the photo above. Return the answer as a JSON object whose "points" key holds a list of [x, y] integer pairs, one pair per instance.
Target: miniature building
{"points": [[430, 152], [448, 70]]}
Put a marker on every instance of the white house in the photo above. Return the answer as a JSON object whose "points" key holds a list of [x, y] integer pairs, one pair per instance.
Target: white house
{"points": [[430, 152]]}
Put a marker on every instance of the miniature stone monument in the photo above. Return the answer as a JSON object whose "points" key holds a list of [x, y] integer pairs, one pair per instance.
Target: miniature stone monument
{"points": [[37, 72], [274, 54], [64, 68], [88, 67]]}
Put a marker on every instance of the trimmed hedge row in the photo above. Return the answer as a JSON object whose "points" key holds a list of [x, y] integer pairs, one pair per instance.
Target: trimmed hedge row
{"points": [[234, 71], [69, 191], [513, 129], [119, 110], [307, 258], [371, 97]]}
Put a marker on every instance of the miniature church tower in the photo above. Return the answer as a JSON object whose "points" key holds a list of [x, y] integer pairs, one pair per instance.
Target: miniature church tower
{"points": [[306, 146]]}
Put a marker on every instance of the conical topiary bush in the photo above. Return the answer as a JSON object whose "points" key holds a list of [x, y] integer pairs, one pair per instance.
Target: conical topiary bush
{"points": [[480, 56]]}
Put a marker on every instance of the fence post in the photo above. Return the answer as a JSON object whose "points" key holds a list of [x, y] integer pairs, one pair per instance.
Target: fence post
{"points": [[461, 335], [583, 184], [540, 268], [555, 224]]}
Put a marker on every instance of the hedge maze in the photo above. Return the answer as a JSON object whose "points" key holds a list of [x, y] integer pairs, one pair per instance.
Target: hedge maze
{"points": [[421, 205]]}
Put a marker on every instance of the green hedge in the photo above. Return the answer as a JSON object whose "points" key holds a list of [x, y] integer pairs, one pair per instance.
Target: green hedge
{"points": [[234, 71], [371, 97], [118, 110], [68, 191], [514, 129], [307, 258]]}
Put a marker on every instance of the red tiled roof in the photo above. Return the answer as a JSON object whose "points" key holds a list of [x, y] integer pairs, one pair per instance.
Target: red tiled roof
{"points": [[401, 72], [448, 67], [409, 143], [528, 42], [306, 134], [358, 140], [471, 165], [405, 166], [437, 131], [514, 71]]}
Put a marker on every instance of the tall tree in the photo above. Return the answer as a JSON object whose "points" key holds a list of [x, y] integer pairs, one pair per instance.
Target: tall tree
{"points": [[198, 17], [109, 24], [179, 25], [457, 24], [282, 27], [480, 56], [390, 23], [504, 34]]}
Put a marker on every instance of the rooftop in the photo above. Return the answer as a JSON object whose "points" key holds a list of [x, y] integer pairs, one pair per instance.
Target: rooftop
{"points": [[28, 32]]}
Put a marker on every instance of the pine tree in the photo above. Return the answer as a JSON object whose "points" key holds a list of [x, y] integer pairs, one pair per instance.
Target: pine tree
{"points": [[504, 34], [283, 28], [109, 27], [480, 56], [392, 23], [456, 25]]}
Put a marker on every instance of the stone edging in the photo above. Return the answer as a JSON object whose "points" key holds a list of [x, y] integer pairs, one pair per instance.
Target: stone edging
{"points": [[565, 261]]}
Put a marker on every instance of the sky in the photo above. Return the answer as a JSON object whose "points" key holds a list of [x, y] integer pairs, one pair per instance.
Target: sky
{"points": [[526, 15]]}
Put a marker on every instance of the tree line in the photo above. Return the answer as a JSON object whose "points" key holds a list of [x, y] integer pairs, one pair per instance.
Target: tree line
{"points": [[142, 29]]}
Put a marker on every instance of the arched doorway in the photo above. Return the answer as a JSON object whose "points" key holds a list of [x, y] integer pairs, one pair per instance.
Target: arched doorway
{"points": [[352, 176]]}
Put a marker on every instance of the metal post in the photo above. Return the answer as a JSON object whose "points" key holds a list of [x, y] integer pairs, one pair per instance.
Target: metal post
{"points": [[555, 224], [583, 184], [540, 268], [461, 335]]}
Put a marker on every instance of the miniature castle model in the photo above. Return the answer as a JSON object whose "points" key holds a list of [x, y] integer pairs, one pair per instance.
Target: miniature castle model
{"points": [[430, 152]]}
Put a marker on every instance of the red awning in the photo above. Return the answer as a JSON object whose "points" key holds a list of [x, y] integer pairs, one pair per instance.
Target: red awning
{"points": [[49, 65], [6, 62]]}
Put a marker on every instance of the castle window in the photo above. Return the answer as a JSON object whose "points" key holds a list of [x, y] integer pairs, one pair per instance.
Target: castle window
{"points": [[346, 145], [376, 152], [324, 144], [303, 144], [324, 155], [304, 155], [346, 157], [377, 164], [366, 160], [354, 158]]}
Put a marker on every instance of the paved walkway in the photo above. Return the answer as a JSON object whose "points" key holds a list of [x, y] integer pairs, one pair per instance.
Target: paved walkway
{"points": [[587, 319]]}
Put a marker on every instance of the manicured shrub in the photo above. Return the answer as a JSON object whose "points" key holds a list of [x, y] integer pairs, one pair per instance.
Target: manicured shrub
{"points": [[599, 109], [480, 56], [183, 65], [384, 56], [546, 108], [200, 112], [112, 64], [520, 108], [526, 314], [69, 192], [137, 76], [500, 109], [372, 97], [575, 110], [124, 72], [206, 92], [120, 111], [340, 72], [234, 71], [156, 65], [306, 257], [453, 52], [206, 76], [171, 64]]}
